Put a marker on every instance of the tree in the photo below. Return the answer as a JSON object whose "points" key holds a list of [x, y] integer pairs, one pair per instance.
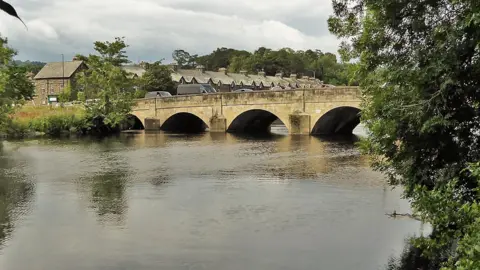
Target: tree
{"points": [[30, 66], [107, 82], [184, 59], [113, 52], [419, 71], [286, 60], [66, 95], [157, 78], [15, 87]]}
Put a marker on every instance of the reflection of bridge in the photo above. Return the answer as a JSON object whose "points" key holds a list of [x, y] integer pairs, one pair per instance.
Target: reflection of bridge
{"points": [[303, 111]]}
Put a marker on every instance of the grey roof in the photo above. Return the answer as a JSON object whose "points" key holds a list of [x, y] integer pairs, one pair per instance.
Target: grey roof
{"points": [[241, 79], [58, 70], [134, 70]]}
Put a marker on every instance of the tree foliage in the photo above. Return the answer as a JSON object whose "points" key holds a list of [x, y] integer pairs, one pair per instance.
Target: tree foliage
{"points": [[108, 84], [184, 59], [419, 68], [324, 66], [31, 66], [113, 52], [14, 84], [157, 78]]}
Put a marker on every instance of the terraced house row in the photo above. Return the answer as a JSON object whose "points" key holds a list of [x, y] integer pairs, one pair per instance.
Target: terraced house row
{"points": [[55, 76], [224, 81]]}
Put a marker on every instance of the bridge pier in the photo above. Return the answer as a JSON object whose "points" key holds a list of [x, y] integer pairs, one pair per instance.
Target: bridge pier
{"points": [[299, 123], [218, 123], [152, 124]]}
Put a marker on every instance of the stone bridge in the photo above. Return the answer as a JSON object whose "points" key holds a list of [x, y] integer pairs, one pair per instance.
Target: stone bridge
{"points": [[302, 111]]}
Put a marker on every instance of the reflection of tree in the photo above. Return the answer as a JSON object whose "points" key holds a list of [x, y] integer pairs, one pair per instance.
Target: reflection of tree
{"points": [[411, 258], [106, 186], [160, 180], [15, 196], [107, 194]]}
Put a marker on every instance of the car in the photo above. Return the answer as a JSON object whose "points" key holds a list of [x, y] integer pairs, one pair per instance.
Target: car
{"points": [[157, 94], [243, 90], [192, 89]]}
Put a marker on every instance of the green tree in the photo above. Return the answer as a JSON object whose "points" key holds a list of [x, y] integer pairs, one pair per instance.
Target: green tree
{"points": [[15, 87], [157, 78], [109, 84], [419, 71], [184, 59], [66, 95], [113, 52], [31, 66]]}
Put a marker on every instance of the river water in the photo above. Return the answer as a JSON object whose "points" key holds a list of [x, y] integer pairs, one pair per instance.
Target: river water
{"points": [[207, 201]]}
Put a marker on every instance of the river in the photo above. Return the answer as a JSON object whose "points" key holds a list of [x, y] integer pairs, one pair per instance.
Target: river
{"points": [[207, 201]]}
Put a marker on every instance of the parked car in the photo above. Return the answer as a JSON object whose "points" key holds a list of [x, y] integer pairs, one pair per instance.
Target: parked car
{"points": [[156, 94], [243, 90], [192, 89]]}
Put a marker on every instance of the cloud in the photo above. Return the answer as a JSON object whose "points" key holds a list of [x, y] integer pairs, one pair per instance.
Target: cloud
{"points": [[154, 28]]}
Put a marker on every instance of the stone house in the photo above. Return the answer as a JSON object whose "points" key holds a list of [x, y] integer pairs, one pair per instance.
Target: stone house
{"points": [[225, 81], [53, 78]]}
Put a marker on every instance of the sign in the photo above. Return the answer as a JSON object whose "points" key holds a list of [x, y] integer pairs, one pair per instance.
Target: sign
{"points": [[52, 98]]}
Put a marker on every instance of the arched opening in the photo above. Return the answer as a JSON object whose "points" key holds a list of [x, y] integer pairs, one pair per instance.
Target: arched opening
{"points": [[184, 123], [341, 120], [255, 121], [133, 123]]}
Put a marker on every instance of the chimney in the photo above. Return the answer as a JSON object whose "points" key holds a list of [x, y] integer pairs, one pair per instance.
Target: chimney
{"points": [[173, 66], [200, 68], [243, 72], [279, 75], [293, 76], [223, 70], [261, 73]]}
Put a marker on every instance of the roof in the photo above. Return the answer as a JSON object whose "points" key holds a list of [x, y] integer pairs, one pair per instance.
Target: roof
{"points": [[58, 70], [134, 70], [241, 79]]}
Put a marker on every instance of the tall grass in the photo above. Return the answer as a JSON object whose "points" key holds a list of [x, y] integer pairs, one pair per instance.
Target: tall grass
{"points": [[48, 120]]}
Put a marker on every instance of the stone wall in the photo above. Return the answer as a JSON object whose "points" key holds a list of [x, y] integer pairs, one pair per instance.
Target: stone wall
{"points": [[45, 87]]}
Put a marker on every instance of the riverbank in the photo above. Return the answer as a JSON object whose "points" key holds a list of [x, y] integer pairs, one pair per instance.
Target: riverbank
{"points": [[30, 121]]}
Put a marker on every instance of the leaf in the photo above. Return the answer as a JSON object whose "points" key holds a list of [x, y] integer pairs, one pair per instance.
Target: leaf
{"points": [[9, 9]]}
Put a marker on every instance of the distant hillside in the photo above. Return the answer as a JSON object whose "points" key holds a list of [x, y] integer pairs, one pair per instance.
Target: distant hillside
{"points": [[32, 66]]}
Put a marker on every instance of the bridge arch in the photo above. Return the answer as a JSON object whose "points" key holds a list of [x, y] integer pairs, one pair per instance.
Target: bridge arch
{"points": [[184, 122], [339, 120], [133, 122], [253, 121]]}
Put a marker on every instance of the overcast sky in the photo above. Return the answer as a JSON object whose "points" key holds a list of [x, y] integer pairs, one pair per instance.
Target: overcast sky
{"points": [[154, 28]]}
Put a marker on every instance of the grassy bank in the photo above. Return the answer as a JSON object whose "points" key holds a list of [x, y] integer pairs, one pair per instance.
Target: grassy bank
{"points": [[40, 120]]}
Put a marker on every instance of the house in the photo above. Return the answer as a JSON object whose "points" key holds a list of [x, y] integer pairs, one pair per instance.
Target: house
{"points": [[224, 81], [53, 78]]}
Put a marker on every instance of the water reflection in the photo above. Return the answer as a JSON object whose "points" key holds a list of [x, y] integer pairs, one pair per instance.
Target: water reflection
{"points": [[105, 186], [209, 201], [16, 194]]}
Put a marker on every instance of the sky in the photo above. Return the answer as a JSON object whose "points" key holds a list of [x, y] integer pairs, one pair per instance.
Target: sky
{"points": [[154, 28]]}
